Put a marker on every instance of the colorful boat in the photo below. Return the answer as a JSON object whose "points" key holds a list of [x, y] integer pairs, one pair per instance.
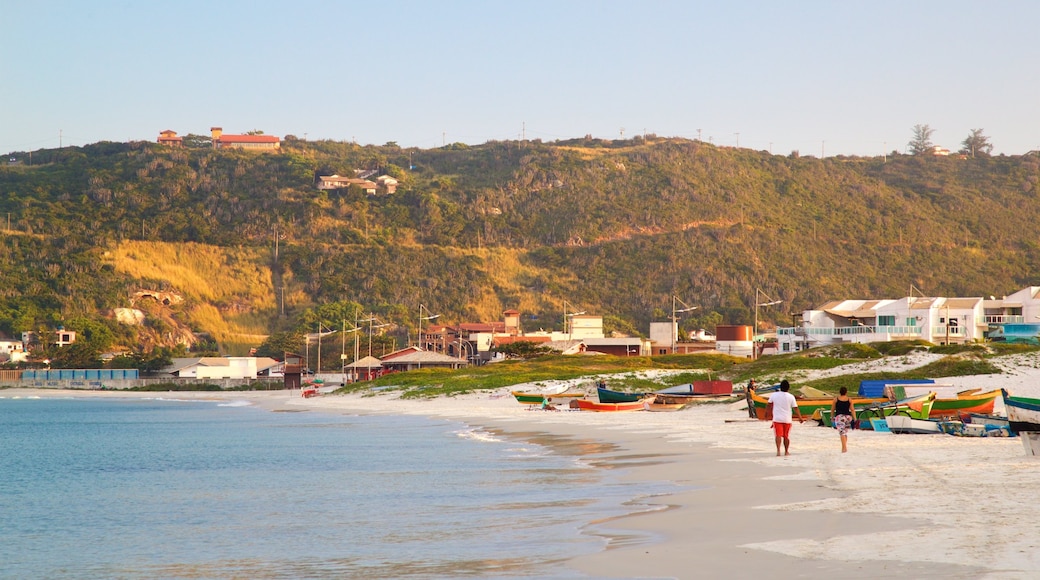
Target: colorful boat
{"points": [[1023, 413], [904, 424], [609, 396], [587, 405], [537, 398], [917, 407], [966, 402], [665, 403], [810, 405], [989, 422]]}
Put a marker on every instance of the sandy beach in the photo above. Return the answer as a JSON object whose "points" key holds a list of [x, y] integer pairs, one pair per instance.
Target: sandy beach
{"points": [[919, 506]]}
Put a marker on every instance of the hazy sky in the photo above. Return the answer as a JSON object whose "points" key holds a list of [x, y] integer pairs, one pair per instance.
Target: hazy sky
{"points": [[824, 77]]}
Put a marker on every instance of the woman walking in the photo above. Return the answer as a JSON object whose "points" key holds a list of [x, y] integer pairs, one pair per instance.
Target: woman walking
{"points": [[842, 412]]}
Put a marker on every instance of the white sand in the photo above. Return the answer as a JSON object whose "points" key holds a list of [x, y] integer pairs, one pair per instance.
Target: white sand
{"points": [[911, 505]]}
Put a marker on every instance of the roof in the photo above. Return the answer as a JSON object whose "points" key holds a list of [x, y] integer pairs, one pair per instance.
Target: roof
{"points": [[180, 364], [399, 353], [368, 362], [248, 139], [854, 308], [963, 303], [424, 356]]}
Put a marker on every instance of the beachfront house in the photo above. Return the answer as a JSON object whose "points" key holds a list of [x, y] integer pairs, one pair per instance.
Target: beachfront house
{"points": [[935, 319], [217, 367]]}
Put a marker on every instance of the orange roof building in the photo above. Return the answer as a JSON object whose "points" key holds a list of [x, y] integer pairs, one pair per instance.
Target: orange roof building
{"points": [[251, 142]]}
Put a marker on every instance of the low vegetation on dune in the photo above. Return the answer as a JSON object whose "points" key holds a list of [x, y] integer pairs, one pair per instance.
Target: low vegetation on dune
{"points": [[641, 374]]}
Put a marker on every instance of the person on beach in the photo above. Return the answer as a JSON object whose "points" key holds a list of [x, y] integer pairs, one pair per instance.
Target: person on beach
{"points": [[547, 405], [747, 397], [842, 412], [782, 405]]}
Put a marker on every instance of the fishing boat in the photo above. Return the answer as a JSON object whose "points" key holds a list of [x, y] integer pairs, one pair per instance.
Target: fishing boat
{"points": [[1023, 413], [666, 403], [916, 407], [965, 429], [904, 424], [609, 396], [677, 399], [989, 421], [537, 398], [970, 401], [810, 405], [587, 405]]}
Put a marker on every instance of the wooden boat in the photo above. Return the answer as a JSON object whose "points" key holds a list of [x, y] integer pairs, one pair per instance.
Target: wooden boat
{"points": [[966, 402], [609, 396], [904, 424], [587, 405], [1031, 442], [916, 407], [677, 399], [809, 406], [966, 429], [667, 402], [989, 422], [537, 398], [1023, 413]]}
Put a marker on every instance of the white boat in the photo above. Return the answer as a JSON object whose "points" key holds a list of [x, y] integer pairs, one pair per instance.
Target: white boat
{"points": [[901, 424], [1031, 442]]}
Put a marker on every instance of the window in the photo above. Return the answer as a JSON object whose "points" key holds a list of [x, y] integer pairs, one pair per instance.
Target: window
{"points": [[887, 320]]}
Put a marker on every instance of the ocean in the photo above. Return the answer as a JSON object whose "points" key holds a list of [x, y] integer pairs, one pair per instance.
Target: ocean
{"points": [[166, 488]]}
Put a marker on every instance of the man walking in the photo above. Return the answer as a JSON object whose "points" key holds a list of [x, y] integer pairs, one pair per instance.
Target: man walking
{"points": [[782, 405]]}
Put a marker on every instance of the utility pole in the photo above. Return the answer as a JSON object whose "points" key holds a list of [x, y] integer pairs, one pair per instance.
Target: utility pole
{"points": [[738, 139]]}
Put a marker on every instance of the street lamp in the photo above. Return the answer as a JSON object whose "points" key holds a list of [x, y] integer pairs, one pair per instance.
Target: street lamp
{"points": [[675, 319], [421, 318], [567, 315], [771, 302]]}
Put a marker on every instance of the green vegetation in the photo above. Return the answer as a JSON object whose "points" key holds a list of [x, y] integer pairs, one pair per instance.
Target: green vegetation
{"points": [[625, 372], [438, 382], [612, 227]]}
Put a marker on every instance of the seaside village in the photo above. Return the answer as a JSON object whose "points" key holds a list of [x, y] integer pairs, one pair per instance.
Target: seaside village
{"points": [[938, 320]]}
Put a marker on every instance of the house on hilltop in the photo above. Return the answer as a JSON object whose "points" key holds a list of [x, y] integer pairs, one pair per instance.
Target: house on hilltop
{"points": [[170, 139], [340, 182], [250, 142]]}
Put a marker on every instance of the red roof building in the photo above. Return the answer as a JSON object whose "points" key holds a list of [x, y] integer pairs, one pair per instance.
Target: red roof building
{"points": [[251, 142]]}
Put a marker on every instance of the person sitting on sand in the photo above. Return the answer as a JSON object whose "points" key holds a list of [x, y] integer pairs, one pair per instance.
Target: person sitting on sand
{"points": [[547, 405]]}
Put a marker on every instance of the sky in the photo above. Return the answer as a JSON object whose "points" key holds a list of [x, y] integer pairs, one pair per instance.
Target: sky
{"points": [[819, 77]]}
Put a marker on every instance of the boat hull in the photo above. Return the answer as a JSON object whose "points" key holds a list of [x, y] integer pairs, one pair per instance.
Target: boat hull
{"points": [[586, 405], [537, 398], [902, 424], [1023, 413], [981, 403], [609, 396]]}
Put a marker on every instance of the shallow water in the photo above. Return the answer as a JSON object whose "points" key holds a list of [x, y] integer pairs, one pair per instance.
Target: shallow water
{"points": [[198, 489]]}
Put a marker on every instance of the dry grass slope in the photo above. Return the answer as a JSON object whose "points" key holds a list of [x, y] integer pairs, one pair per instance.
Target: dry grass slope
{"points": [[228, 292]]}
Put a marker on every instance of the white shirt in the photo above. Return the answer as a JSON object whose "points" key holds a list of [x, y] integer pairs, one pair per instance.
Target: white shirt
{"points": [[783, 406]]}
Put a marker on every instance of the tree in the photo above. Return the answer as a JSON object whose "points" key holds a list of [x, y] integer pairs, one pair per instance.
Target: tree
{"points": [[976, 144], [922, 141]]}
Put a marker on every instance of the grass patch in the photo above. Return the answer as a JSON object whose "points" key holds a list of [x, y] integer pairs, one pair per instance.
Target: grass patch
{"points": [[438, 382]]}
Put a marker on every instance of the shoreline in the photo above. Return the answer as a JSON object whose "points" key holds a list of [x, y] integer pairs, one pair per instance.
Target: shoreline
{"points": [[921, 506]]}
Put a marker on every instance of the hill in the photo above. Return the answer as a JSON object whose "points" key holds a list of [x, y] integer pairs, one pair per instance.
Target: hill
{"points": [[611, 227]]}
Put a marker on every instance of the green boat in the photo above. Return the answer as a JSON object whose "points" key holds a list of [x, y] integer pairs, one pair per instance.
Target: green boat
{"points": [[914, 407]]}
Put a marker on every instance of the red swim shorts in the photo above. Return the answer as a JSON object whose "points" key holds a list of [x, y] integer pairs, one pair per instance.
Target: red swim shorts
{"points": [[782, 429]]}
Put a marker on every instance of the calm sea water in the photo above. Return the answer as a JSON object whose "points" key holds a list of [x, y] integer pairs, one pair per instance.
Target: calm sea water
{"points": [[159, 488]]}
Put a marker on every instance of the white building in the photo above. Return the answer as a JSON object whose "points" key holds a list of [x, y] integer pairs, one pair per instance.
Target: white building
{"points": [[217, 367], [935, 319]]}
